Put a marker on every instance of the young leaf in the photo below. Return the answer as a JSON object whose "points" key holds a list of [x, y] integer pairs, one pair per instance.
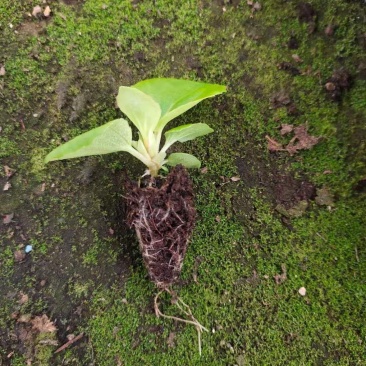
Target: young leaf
{"points": [[176, 96], [187, 160], [111, 137], [140, 108], [185, 133]]}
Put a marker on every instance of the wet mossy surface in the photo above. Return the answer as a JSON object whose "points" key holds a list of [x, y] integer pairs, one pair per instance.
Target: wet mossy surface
{"points": [[289, 222]]}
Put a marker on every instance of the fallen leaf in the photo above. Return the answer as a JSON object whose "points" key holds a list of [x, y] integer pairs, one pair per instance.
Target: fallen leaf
{"points": [[302, 291], [47, 11], [280, 99], [23, 298], [273, 145], [9, 172], [8, 218], [257, 6], [235, 179], [43, 325], [36, 10], [19, 255], [280, 278], [7, 186], [286, 129], [301, 141], [204, 170], [2, 71], [25, 318]]}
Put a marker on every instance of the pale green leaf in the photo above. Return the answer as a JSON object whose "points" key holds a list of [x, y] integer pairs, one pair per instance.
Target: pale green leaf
{"points": [[111, 137], [176, 96], [186, 133], [187, 160], [140, 108]]}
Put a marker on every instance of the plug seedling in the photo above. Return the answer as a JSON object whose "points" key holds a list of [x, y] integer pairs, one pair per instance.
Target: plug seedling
{"points": [[162, 214]]}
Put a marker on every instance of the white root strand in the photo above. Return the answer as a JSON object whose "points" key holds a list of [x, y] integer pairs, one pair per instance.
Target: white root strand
{"points": [[199, 327]]}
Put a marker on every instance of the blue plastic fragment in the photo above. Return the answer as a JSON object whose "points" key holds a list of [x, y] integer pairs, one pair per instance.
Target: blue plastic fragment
{"points": [[28, 248]]}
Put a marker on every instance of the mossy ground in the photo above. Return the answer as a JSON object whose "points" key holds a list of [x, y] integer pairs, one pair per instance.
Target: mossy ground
{"points": [[85, 272]]}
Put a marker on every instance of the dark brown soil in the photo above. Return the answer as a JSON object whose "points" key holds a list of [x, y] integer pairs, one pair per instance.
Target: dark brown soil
{"points": [[275, 182], [339, 82], [163, 218]]}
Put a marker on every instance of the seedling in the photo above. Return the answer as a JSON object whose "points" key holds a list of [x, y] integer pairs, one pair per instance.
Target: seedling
{"points": [[150, 105], [162, 213]]}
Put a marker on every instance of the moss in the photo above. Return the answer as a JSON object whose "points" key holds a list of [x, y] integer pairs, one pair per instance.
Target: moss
{"points": [[8, 148], [90, 49]]}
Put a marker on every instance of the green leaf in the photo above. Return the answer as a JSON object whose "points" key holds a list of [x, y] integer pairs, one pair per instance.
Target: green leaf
{"points": [[176, 96], [187, 160], [186, 133], [111, 137], [140, 108]]}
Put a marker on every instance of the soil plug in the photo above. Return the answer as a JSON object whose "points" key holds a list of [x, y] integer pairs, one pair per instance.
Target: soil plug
{"points": [[161, 210]]}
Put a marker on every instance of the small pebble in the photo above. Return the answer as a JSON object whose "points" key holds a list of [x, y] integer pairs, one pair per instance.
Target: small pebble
{"points": [[28, 249], [302, 291]]}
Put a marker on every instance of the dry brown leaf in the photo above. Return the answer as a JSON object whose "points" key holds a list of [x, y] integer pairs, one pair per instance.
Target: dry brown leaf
{"points": [[43, 325], [7, 186], [273, 145], [47, 11], [25, 318], [286, 129], [36, 10], [301, 141], [204, 170], [23, 298], [8, 218], [9, 172], [257, 6]]}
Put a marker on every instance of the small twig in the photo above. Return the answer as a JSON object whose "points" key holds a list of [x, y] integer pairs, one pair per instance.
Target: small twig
{"points": [[70, 342], [356, 254], [320, 236]]}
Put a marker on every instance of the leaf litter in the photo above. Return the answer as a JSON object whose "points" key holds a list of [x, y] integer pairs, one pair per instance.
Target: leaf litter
{"points": [[300, 141], [34, 334]]}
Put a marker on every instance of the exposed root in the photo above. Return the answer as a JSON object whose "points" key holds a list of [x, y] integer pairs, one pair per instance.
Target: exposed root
{"points": [[185, 309], [163, 218]]}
